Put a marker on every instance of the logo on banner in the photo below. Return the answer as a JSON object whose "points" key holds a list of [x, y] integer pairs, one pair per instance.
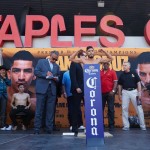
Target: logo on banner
{"points": [[91, 70], [91, 82]]}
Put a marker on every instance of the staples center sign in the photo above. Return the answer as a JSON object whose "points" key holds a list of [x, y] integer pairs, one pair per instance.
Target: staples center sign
{"points": [[57, 23]]}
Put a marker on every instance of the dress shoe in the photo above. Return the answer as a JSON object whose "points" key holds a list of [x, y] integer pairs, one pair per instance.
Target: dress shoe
{"points": [[75, 134], [75, 130]]}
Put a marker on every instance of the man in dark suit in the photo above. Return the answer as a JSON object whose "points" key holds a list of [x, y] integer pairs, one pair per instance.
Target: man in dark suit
{"points": [[47, 73], [77, 87]]}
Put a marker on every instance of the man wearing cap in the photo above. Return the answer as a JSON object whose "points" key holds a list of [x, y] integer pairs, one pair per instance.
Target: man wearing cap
{"points": [[109, 85], [4, 82]]}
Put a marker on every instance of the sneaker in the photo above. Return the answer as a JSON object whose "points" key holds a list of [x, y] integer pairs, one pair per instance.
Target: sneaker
{"points": [[8, 128], [70, 128], [84, 131], [14, 128], [4, 128], [23, 127], [81, 128], [143, 128], [125, 129]]}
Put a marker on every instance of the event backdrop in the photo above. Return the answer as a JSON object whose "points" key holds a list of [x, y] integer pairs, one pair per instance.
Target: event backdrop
{"points": [[119, 54]]}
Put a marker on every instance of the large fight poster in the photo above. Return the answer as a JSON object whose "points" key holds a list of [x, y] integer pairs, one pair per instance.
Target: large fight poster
{"points": [[137, 57]]}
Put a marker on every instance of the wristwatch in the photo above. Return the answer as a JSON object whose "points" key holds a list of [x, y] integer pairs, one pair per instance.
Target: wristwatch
{"points": [[113, 91]]}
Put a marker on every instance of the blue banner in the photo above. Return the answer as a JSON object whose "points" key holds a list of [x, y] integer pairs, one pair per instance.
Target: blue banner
{"points": [[93, 105]]}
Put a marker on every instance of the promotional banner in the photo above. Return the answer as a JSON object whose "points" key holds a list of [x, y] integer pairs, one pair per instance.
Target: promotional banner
{"points": [[93, 105], [136, 56]]}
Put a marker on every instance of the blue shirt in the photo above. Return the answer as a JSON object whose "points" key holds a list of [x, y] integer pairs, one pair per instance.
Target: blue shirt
{"points": [[67, 83]]}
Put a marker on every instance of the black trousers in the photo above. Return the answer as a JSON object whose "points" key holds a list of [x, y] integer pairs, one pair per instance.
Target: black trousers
{"points": [[25, 118], [70, 107], [70, 112], [106, 97], [3, 105], [76, 103]]}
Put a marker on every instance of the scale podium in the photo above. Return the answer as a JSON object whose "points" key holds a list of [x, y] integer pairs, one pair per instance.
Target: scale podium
{"points": [[93, 105]]}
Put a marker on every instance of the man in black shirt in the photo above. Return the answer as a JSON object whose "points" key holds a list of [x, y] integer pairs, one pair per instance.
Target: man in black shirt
{"points": [[129, 88]]}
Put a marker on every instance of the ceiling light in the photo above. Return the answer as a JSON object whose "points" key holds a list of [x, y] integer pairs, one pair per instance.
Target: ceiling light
{"points": [[100, 3]]}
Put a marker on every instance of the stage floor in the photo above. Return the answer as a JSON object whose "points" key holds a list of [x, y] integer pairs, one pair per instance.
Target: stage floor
{"points": [[135, 139]]}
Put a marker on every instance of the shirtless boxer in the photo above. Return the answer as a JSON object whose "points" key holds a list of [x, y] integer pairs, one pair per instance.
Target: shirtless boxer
{"points": [[90, 57], [20, 103]]}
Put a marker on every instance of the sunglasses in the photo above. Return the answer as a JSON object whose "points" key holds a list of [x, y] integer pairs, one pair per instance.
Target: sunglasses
{"points": [[55, 59]]}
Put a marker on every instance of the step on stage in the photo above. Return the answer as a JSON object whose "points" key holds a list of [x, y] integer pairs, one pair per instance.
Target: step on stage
{"points": [[134, 139]]}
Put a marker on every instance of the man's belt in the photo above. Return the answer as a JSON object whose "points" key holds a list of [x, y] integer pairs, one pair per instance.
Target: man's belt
{"points": [[129, 89]]}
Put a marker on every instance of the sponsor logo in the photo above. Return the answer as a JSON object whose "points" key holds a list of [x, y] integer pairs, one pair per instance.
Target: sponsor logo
{"points": [[91, 70], [91, 82]]}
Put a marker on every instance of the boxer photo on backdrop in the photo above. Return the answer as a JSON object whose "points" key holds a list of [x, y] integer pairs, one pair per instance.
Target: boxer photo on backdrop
{"points": [[22, 72]]}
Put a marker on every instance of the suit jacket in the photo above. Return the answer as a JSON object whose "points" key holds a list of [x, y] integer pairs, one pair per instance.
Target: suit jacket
{"points": [[76, 76], [40, 72]]}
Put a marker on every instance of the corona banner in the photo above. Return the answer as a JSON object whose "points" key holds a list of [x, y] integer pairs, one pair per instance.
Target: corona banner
{"points": [[93, 105], [134, 55]]}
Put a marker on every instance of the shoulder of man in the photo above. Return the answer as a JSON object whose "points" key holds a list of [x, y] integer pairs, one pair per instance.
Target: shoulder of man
{"points": [[73, 64], [56, 65], [112, 70], [28, 95], [15, 94], [42, 60], [121, 75], [133, 72]]}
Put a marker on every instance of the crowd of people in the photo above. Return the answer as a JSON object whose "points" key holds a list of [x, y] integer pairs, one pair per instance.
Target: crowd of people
{"points": [[15, 82]]}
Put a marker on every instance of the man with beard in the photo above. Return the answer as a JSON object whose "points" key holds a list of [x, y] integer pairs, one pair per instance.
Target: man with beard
{"points": [[21, 72], [90, 57], [143, 70], [87, 60]]}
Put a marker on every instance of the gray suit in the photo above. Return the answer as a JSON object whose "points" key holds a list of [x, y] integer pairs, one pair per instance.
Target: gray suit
{"points": [[45, 93]]}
